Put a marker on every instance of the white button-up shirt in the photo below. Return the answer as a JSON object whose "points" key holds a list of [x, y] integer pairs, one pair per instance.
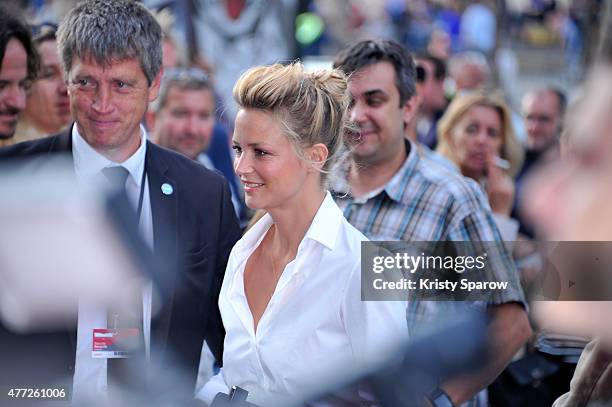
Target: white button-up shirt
{"points": [[90, 374], [314, 321]]}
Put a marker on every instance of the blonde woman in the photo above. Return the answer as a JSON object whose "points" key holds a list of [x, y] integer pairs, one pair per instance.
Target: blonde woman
{"points": [[476, 134], [290, 299]]}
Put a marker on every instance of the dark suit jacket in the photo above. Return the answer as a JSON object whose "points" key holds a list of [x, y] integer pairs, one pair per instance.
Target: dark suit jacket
{"points": [[194, 230]]}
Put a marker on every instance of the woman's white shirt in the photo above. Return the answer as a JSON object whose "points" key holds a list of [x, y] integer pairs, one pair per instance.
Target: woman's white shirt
{"points": [[315, 321]]}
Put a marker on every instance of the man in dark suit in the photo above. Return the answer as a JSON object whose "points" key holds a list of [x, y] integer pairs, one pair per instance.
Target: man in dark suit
{"points": [[111, 54]]}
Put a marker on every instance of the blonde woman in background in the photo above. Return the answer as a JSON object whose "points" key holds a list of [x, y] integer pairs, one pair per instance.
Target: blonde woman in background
{"points": [[291, 299], [476, 134]]}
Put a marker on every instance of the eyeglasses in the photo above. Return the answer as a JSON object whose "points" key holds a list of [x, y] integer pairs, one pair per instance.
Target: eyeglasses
{"points": [[439, 72]]}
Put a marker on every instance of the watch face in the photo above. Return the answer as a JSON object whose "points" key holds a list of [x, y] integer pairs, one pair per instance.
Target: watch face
{"points": [[441, 399]]}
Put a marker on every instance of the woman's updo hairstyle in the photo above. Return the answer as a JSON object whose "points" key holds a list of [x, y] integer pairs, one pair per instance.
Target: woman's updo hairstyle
{"points": [[311, 106]]}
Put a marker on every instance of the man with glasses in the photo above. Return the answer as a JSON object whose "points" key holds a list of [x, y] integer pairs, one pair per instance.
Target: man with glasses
{"points": [[543, 111], [433, 100]]}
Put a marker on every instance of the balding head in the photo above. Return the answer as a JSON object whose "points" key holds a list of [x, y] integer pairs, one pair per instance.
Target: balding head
{"points": [[470, 71]]}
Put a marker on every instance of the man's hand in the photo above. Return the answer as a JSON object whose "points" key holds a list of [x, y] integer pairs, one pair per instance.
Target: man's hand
{"points": [[508, 330]]}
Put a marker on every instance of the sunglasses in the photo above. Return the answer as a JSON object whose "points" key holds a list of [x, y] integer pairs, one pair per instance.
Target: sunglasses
{"points": [[43, 30], [186, 74]]}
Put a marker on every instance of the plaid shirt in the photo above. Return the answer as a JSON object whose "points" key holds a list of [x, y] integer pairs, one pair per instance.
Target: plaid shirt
{"points": [[426, 201]]}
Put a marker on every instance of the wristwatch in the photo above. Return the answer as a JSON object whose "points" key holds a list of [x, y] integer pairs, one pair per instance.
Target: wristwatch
{"points": [[438, 398]]}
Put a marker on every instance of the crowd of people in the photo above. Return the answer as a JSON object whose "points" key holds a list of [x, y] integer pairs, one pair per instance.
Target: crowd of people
{"points": [[256, 205]]}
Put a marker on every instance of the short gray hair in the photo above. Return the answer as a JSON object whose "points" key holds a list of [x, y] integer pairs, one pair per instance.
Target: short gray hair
{"points": [[460, 60], [184, 79], [108, 30]]}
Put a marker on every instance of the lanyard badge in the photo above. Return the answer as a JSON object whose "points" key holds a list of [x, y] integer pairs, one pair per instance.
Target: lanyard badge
{"points": [[115, 343]]}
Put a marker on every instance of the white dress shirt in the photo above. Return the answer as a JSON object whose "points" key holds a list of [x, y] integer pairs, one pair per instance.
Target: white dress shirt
{"points": [[90, 373], [314, 319]]}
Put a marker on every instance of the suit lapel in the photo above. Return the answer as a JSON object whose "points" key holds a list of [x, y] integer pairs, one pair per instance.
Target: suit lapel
{"points": [[164, 210], [63, 142]]}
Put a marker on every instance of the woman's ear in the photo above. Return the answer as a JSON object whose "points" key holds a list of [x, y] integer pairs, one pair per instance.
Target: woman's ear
{"points": [[317, 155]]}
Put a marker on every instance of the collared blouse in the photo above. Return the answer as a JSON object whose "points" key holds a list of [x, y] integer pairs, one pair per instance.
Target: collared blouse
{"points": [[315, 322]]}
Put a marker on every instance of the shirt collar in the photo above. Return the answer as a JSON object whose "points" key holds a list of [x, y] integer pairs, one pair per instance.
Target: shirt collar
{"points": [[323, 229], [326, 223], [88, 162], [395, 187]]}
